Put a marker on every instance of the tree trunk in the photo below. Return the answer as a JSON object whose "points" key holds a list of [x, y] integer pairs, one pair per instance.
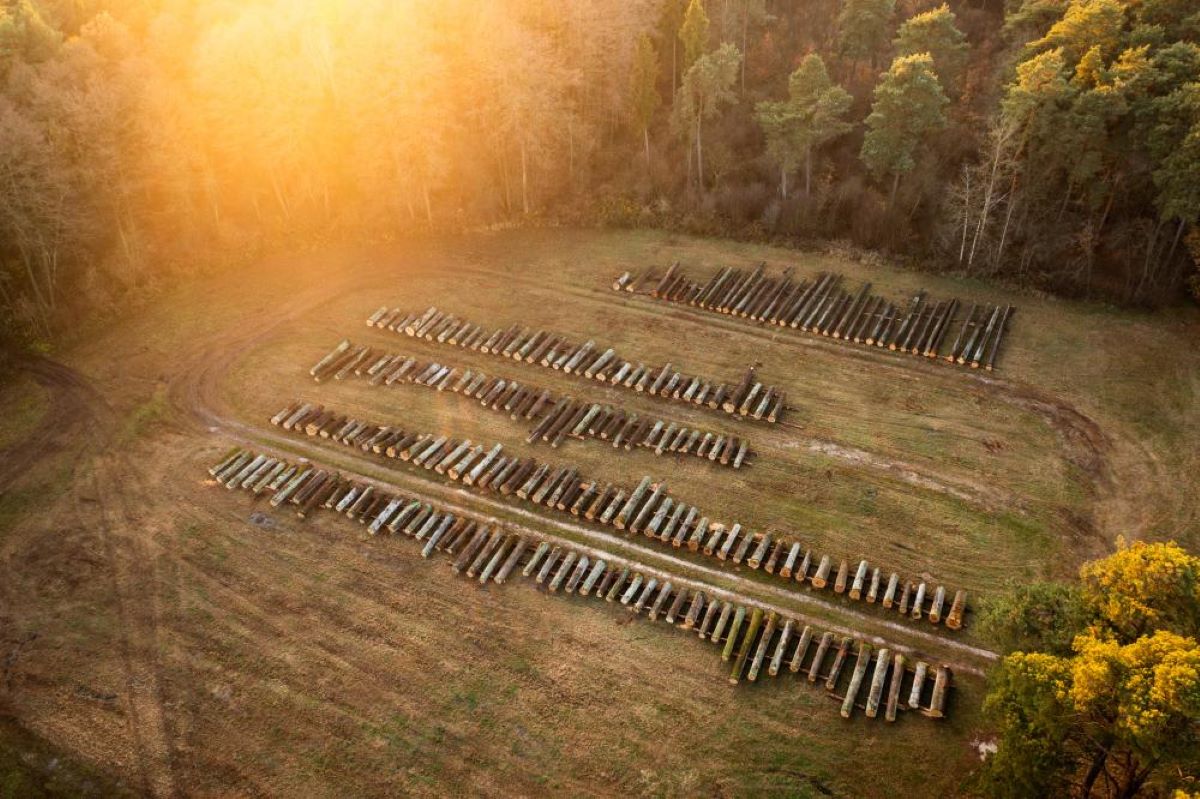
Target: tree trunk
{"points": [[507, 183], [966, 212], [807, 172], [1093, 772], [988, 193], [1012, 201], [699, 156], [524, 179], [745, 36], [895, 188], [646, 139], [783, 182], [674, 45], [428, 206]]}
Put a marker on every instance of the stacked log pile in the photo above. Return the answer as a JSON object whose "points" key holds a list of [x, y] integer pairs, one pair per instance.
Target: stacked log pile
{"points": [[823, 306], [748, 398], [554, 417], [753, 639], [647, 508]]}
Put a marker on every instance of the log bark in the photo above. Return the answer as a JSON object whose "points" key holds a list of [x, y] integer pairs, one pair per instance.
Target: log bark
{"points": [[856, 678]]}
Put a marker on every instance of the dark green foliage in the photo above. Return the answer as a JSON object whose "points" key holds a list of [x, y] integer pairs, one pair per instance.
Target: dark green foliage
{"points": [[1035, 617]]}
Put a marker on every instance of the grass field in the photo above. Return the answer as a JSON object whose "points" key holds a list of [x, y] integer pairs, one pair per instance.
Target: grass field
{"points": [[163, 639]]}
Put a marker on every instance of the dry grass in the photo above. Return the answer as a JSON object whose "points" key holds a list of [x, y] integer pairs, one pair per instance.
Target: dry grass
{"points": [[177, 645]]}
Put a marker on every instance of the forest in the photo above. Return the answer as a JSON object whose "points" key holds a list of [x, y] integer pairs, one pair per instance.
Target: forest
{"points": [[1053, 144]]}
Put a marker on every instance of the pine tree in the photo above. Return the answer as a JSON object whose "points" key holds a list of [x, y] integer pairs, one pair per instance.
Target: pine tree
{"points": [[908, 108], [813, 115], [693, 33], [936, 33], [863, 28], [706, 87], [643, 93]]}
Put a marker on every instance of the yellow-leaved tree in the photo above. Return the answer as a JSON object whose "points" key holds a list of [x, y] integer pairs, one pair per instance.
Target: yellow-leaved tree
{"points": [[1117, 714]]}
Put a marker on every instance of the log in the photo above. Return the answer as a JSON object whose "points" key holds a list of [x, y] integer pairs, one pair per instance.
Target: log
{"points": [[873, 591], [790, 562], [797, 661], [890, 593], [839, 585], [764, 641], [850, 320], [990, 363], [769, 566], [676, 608], [660, 600], [856, 678], [941, 684], [969, 346], [814, 668], [955, 618], [726, 547], [498, 557], [802, 571], [710, 618], [632, 504], [918, 602], [564, 569], [485, 553], [471, 549], [581, 570], [739, 663], [634, 585], [333, 354], [914, 694], [881, 324], [731, 637], [882, 660], [935, 609], [547, 564], [821, 578], [593, 577], [648, 508], [977, 355], [860, 579], [780, 648], [893, 699], [963, 330], [618, 582], [693, 613], [839, 660], [514, 557], [740, 553]]}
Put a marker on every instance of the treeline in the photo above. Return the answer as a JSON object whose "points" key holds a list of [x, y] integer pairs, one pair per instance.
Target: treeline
{"points": [[1055, 143]]}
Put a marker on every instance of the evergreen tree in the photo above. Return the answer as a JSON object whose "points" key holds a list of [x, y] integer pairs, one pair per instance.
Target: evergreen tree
{"points": [[693, 33], [936, 33], [707, 86], [908, 108], [643, 92], [813, 115], [863, 28]]}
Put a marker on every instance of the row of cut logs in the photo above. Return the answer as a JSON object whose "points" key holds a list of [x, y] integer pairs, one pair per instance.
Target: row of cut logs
{"points": [[748, 398], [646, 508], [749, 637], [555, 417], [823, 306]]}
